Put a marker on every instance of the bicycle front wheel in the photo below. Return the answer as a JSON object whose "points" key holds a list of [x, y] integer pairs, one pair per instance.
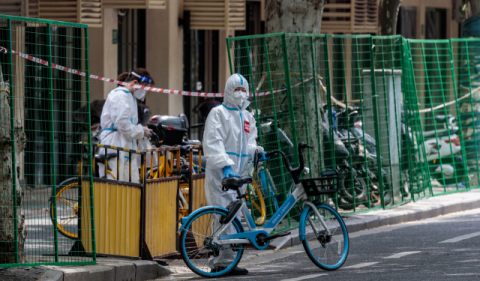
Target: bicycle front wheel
{"points": [[67, 208], [198, 251], [326, 247]]}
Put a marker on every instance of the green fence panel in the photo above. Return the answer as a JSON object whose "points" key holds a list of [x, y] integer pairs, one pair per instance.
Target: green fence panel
{"points": [[44, 165], [436, 93], [388, 63], [465, 63], [414, 160], [380, 110], [354, 105]]}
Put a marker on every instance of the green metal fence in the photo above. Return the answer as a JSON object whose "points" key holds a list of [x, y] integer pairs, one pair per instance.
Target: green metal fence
{"points": [[41, 127], [381, 110]]}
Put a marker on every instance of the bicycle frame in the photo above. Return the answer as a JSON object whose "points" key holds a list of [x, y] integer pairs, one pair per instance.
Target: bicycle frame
{"points": [[249, 236]]}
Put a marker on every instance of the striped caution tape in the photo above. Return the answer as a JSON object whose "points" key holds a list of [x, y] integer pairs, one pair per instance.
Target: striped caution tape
{"points": [[151, 89]]}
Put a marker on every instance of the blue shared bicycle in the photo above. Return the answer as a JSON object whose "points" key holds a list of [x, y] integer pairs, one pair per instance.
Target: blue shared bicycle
{"points": [[213, 239]]}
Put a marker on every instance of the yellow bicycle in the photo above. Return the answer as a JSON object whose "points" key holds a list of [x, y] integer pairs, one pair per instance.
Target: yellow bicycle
{"points": [[255, 198]]}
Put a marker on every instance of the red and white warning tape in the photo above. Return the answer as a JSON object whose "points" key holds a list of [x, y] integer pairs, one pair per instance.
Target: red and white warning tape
{"points": [[152, 89]]}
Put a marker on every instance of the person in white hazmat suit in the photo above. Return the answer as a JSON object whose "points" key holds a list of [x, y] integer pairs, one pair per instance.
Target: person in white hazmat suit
{"points": [[229, 143], [119, 121]]}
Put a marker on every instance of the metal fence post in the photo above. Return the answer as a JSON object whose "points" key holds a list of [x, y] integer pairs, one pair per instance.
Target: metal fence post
{"points": [[329, 101], [376, 118], [92, 211], [314, 73], [303, 99], [52, 133], [12, 139], [290, 105]]}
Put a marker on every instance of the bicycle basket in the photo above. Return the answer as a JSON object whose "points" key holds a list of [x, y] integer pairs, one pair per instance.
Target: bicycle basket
{"points": [[326, 184]]}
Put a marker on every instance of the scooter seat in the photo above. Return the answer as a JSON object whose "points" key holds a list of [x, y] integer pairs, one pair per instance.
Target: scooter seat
{"points": [[430, 134], [440, 133], [236, 183], [441, 118]]}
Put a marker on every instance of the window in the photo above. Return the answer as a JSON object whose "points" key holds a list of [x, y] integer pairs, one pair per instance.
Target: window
{"points": [[131, 39]]}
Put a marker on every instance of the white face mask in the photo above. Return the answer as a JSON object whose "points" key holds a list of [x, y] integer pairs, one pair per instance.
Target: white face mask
{"points": [[140, 94], [239, 97]]}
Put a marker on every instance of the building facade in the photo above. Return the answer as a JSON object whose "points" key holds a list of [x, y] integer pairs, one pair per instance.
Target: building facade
{"points": [[182, 42]]}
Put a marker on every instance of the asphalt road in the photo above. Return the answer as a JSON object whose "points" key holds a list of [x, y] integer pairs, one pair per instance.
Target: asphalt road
{"points": [[442, 248]]}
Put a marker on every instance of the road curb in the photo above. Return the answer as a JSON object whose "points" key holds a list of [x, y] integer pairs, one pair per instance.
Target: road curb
{"points": [[415, 211], [104, 270]]}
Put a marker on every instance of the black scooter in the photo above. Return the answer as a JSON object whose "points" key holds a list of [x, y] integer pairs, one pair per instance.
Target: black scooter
{"points": [[364, 156]]}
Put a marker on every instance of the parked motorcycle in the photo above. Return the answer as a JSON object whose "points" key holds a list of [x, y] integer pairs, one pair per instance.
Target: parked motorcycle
{"points": [[352, 188], [443, 149], [408, 157], [364, 156]]}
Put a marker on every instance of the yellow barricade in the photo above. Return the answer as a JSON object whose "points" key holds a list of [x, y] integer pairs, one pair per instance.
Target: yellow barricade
{"points": [[117, 217], [141, 220], [117, 213], [161, 204], [197, 197]]}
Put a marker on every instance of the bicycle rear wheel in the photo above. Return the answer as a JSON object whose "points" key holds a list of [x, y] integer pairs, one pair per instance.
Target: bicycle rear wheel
{"points": [[198, 251], [326, 248]]}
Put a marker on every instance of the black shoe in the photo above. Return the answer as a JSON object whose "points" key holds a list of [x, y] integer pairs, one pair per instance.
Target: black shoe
{"points": [[238, 271], [217, 269]]}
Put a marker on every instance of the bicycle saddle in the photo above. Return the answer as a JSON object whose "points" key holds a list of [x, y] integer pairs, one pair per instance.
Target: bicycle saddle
{"points": [[236, 183], [191, 142], [101, 157]]}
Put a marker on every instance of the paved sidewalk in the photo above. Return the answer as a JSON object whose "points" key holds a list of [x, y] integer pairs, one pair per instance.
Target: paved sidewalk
{"points": [[106, 269]]}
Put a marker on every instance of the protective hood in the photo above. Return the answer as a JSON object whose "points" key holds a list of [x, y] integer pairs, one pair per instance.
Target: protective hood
{"points": [[236, 80]]}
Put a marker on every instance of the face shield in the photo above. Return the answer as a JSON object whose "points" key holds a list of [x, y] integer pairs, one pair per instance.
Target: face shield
{"points": [[141, 93]]}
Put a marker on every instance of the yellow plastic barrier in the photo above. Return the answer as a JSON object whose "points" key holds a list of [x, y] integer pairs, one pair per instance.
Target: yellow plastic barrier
{"points": [[161, 205], [197, 183], [117, 217], [117, 214], [141, 220], [161, 217]]}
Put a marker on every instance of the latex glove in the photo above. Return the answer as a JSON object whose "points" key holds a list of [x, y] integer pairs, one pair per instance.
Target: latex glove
{"points": [[228, 172], [147, 132], [262, 156]]}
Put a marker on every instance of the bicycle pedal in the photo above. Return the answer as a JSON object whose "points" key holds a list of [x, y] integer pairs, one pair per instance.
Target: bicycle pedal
{"points": [[276, 236], [282, 234]]}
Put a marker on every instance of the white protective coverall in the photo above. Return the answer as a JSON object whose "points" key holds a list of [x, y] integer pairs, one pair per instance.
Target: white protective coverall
{"points": [[229, 140], [119, 115]]}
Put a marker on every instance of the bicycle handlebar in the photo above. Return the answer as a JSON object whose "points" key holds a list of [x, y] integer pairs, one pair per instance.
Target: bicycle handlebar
{"points": [[295, 172]]}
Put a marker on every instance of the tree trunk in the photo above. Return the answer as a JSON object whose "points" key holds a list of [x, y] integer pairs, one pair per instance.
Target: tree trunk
{"points": [[472, 8], [7, 194], [387, 16], [299, 16], [294, 16]]}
